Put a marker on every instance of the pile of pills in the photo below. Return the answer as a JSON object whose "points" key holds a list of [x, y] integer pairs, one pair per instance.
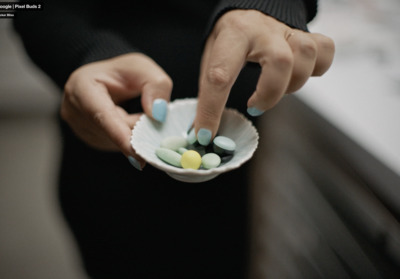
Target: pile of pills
{"points": [[187, 153]]}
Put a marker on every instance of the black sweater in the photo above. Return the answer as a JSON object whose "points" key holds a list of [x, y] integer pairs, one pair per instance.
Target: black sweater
{"points": [[68, 34]]}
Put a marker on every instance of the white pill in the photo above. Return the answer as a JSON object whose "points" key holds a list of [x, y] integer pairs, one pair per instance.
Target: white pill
{"points": [[210, 160], [174, 142], [169, 156]]}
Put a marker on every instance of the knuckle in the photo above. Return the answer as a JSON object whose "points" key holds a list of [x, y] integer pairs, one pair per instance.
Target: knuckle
{"points": [[326, 44], [164, 82], [308, 48], [283, 59], [218, 76], [98, 118], [240, 24], [233, 21]]}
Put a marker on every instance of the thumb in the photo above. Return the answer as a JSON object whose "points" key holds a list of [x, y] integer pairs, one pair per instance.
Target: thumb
{"points": [[139, 74], [156, 93]]}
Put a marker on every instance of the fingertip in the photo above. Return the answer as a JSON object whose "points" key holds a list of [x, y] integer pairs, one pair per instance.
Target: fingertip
{"points": [[137, 163], [156, 93], [253, 111], [159, 109], [204, 136], [207, 121]]}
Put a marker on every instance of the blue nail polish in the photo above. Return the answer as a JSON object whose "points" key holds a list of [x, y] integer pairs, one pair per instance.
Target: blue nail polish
{"points": [[254, 111], [204, 136], [159, 110], [134, 163]]}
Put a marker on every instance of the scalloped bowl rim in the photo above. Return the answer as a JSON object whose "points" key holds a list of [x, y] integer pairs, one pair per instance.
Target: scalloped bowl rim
{"points": [[190, 175]]}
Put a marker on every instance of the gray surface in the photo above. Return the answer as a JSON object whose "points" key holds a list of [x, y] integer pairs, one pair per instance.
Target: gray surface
{"points": [[34, 241]]}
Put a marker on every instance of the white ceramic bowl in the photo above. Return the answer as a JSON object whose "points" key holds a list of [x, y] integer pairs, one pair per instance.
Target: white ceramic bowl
{"points": [[147, 135]]}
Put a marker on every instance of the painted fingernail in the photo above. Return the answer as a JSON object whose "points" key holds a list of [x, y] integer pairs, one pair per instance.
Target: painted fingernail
{"points": [[253, 111], [135, 163], [204, 136], [159, 110]]}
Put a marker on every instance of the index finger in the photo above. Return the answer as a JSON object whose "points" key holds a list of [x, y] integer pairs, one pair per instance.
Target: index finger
{"points": [[223, 59]]}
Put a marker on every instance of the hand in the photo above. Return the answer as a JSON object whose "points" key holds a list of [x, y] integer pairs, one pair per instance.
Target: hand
{"points": [[288, 57], [94, 91]]}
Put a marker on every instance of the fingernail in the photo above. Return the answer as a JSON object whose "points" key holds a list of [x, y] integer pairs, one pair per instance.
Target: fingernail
{"points": [[254, 111], [135, 163], [159, 110], [204, 136]]}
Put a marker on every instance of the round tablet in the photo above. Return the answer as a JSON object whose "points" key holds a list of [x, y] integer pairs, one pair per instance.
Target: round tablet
{"points": [[223, 145], [210, 161], [191, 160]]}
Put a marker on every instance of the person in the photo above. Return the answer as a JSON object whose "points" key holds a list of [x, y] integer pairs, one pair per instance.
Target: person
{"points": [[114, 61]]}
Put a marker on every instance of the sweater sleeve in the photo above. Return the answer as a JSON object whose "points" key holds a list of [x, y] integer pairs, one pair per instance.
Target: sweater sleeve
{"points": [[61, 37], [294, 13]]}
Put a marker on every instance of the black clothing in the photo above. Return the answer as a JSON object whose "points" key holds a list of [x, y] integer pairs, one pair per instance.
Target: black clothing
{"points": [[132, 224], [68, 34]]}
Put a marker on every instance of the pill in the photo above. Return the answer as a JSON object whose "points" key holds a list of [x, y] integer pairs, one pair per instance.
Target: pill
{"points": [[210, 160], [169, 156], [191, 160], [173, 142], [182, 150], [226, 158], [191, 136], [223, 145], [198, 148]]}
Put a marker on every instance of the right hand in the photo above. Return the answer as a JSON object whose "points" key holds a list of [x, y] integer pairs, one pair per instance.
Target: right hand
{"points": [[94, 91], [287, 56]]}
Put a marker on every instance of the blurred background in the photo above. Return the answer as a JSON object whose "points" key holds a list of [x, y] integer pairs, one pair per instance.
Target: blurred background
{"points": [[34, 241], [360, 97]]}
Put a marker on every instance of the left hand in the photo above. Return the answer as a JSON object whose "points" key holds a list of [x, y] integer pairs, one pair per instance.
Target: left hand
{"points": [[288, 57]]}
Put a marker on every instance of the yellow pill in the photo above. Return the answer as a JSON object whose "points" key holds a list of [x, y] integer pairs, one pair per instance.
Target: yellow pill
{"points": [[191, 160]]}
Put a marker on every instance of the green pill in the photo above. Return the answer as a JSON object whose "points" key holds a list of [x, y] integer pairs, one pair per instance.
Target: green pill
{"points": [[210, 161], [169, 156], [182, 150]]}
